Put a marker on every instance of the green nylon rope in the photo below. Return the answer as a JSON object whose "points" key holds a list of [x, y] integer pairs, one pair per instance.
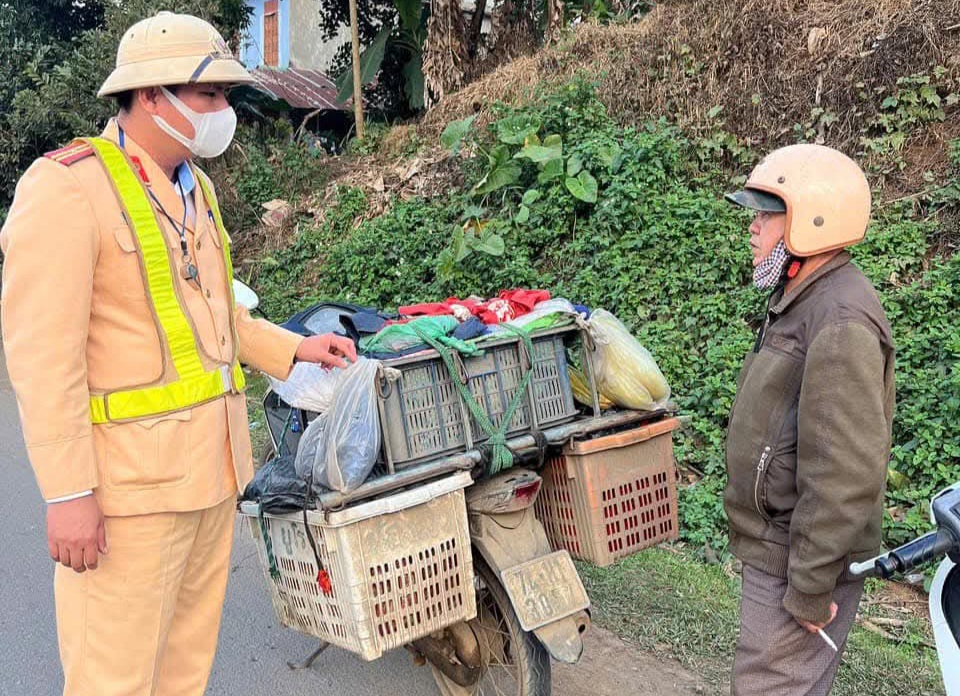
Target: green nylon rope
{"points": [[268, 544], [501, 457]]}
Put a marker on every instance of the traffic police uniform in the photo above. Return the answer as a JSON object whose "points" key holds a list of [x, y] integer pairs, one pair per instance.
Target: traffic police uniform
{"points": [[128, 382]]}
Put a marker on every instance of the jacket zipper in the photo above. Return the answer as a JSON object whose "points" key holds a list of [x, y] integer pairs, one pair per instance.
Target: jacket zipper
{"points": [[761, 465]]}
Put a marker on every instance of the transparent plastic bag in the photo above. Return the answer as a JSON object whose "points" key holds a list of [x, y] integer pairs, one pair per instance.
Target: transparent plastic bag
{"points": [[310, 442], [546, 314], [581, 389], [339, 449], [310, 386], [626, 372]]}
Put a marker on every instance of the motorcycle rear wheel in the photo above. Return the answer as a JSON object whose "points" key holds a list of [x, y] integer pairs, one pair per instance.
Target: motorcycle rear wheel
{"points": [[516, 664]]}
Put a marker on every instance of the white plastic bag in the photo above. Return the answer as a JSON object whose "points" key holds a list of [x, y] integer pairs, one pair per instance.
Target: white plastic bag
{"points": [[626, 372], [310, 386], [557, 305], [339, 448]]}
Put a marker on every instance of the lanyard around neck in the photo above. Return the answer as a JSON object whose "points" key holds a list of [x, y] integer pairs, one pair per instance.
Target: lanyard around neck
{"points": [[189, 271]]}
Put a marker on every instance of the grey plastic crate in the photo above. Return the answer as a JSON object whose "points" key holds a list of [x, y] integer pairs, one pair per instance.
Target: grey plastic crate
{"points": [[423, 416]]}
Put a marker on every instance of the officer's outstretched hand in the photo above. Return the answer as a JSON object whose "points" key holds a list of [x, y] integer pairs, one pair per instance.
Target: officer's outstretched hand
{"points": [[76, 535], [329, 349]]}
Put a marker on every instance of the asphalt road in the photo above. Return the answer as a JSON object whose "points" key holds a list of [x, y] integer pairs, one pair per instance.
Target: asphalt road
{"points": [[253, 652]]}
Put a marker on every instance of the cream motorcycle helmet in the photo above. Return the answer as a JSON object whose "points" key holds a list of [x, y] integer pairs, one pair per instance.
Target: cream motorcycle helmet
{"points": [[824, 194]]}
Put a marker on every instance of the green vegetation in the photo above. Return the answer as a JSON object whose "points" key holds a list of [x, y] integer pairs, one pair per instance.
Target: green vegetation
{"points": [[654, 243], [259, 434], [55, 54], [668, 602]]}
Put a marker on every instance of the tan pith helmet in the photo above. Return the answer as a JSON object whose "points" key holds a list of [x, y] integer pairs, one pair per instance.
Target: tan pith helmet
{"points": [[172, 49], [824, 193]]}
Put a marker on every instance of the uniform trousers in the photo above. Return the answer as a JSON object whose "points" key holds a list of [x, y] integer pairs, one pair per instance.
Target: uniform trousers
{"points": [[145, 622]]}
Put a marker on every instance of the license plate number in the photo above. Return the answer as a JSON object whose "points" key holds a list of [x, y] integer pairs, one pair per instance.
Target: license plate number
{"points": [[545, 590]]}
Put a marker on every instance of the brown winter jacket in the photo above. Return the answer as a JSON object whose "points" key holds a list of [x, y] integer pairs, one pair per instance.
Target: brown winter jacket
{"points": [[809, 436]]}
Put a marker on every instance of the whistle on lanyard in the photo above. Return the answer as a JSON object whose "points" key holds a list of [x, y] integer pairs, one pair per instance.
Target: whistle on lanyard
{"points": [[189, 271]]}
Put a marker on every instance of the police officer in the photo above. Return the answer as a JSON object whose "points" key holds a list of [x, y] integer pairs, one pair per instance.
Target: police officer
{"points": [[124, 345], [809, 435]]}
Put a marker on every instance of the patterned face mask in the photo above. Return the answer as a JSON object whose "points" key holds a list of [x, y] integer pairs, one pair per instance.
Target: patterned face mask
{"points": [[769, 271]]}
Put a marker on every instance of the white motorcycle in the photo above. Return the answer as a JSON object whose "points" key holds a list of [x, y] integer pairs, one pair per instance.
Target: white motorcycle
{"points": [[945, 591]]}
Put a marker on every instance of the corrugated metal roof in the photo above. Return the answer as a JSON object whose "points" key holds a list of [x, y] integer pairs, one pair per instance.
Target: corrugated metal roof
{"points": [[301, 89]]}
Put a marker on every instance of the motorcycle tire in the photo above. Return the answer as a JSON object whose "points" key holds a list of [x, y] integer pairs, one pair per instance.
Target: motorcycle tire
{"points": [[529, 662]]}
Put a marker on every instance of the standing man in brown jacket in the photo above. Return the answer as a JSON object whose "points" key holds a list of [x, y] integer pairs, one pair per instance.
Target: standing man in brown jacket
{"points": [[809, 433], [124, 343]]}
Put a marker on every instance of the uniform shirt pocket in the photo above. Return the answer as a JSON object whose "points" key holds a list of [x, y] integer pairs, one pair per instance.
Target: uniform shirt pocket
{"points": [[210, 228], [121, 266], [148, 453]]}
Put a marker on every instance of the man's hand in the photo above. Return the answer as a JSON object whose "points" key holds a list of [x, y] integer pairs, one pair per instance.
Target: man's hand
{"points": [[329, 349], [814, 627], [75, 533]]}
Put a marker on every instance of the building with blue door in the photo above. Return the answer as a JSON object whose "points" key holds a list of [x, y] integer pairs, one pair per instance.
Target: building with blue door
{"points": [[286, 34], [286, 52]]}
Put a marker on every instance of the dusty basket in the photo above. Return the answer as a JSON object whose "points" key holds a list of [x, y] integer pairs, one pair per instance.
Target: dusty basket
{"points": [[401, 568], [607, 498], [423, 416]]}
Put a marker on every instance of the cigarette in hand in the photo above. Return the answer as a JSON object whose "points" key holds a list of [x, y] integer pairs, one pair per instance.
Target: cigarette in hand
{"points": [[827, 640]]}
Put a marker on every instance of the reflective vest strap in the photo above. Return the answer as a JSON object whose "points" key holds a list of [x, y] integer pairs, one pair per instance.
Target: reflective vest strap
{"points": [[215, 209], [239, 378], [193, 384], [156, 261], [154, 401]]}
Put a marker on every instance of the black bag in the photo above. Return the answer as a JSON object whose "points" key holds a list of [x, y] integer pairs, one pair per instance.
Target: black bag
{"points": [[277, 487], [341, 318]]}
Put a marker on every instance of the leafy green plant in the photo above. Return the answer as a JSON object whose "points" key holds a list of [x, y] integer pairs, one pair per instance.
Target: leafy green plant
{"points": [[814, 128], [917, 99], [717, 144], [475, 234], [405, 38], [455, 132], [583, 186], [662, 250], [527, 158], [370, 61]]}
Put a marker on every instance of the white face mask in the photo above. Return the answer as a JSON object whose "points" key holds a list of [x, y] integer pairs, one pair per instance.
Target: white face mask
{"points": [[213, 132]]}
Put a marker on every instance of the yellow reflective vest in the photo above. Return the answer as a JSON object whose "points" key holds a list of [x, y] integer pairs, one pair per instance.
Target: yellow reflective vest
{"points": [[194, 384]]}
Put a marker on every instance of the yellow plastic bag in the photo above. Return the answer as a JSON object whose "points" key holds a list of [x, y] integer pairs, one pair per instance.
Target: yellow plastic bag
{"points": [[626, 372], [581, 389]]}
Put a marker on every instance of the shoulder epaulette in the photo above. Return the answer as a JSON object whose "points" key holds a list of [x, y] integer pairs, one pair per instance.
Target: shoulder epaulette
{"points": [[71, 153]]}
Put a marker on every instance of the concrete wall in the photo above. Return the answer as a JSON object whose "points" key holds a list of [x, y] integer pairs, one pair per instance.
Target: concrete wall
{"points": [[307, 47]]}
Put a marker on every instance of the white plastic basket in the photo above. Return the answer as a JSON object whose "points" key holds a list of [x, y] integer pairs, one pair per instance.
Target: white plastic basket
{"points": [[400, 567]]}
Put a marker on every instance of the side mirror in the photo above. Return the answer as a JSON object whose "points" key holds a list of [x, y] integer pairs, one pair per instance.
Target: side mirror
{"points": [[245, 296]]}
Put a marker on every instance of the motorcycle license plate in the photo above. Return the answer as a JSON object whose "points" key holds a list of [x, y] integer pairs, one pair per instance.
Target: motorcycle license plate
{"points": [[545, 590]]}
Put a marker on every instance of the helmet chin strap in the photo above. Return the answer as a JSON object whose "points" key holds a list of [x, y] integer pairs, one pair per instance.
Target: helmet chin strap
{"points": [[793, 270], [794, 266]]}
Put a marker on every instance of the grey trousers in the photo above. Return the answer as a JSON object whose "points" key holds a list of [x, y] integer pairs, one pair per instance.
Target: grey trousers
{"points": [[775, 655]]}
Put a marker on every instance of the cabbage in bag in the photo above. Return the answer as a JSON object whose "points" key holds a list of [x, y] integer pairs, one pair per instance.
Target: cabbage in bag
{"points": [[626, 372], [581, 389]]}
